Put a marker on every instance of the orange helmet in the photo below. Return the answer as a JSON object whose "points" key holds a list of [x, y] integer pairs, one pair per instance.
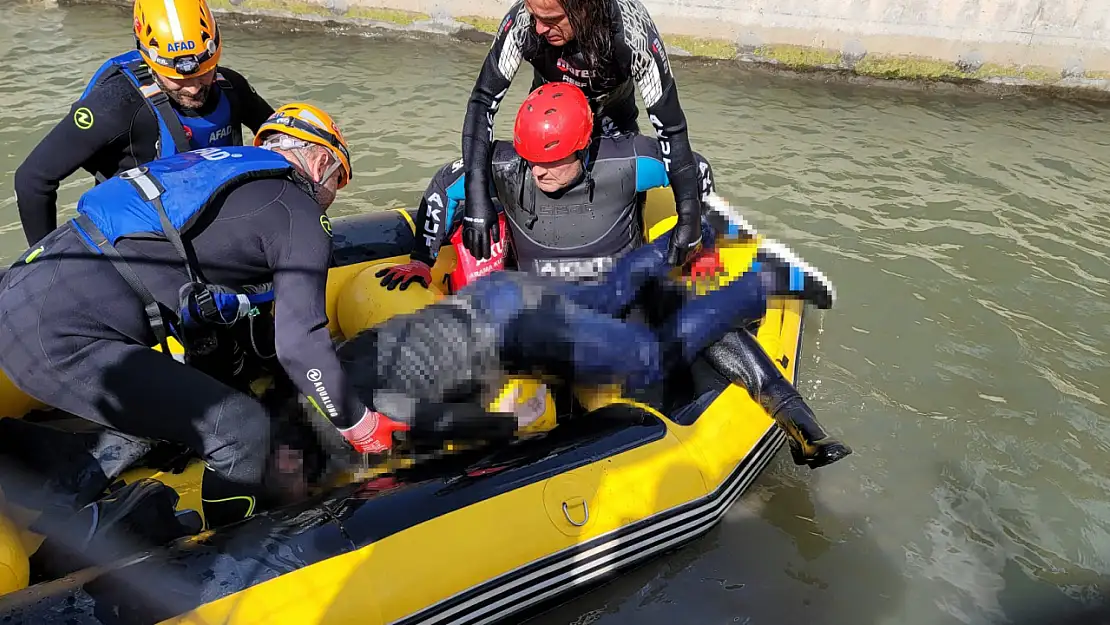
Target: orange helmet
{"points": [[308, 123], [177, 38]]}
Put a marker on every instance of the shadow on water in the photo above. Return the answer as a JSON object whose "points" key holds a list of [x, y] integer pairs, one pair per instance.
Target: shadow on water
{"points": [[985, 548], [778, 556]]}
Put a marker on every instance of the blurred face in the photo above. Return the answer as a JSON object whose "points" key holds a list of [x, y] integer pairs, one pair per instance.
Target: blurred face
{"points": [[188, 93], [551, 21], [551, 177]]}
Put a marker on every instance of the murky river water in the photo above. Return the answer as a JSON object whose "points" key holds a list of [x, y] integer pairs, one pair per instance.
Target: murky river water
{"points": [[966, 363]]}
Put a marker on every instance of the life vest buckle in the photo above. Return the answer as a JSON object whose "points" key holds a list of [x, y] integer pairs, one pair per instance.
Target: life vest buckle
{"points": [[206, 303]]}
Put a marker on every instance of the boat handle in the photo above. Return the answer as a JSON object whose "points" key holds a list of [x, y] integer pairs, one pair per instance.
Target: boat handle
{"points": [[585, 507]]}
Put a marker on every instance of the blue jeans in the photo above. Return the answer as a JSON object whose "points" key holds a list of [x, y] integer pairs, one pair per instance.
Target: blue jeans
{"points": [[574, 333]]}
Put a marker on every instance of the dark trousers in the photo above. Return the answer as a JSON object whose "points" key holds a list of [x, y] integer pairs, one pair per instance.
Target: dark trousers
{"points": [[575, 333]]}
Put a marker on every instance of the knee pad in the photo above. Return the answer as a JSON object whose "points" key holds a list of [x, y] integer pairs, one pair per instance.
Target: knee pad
{"points": [[239, 447]]}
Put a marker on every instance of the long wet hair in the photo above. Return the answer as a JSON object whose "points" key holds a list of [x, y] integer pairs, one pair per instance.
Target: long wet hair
{"points": [[592, 23]]}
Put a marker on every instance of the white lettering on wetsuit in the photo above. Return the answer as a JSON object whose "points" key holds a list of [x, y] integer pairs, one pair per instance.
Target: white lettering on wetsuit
{"points": [[431, 224], [493, 111], [664, 143], [315, 376], [661, 52], [573, 268], [706, 180], [568, 68]]}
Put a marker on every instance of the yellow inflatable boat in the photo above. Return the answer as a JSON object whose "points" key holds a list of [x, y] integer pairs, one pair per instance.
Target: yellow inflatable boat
{"points": [[479, 536]]}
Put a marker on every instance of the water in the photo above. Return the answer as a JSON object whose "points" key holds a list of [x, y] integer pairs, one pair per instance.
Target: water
{"points": [[966, 362]]}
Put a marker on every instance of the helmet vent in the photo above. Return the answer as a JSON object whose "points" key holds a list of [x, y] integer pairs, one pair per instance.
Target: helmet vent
{"points": [[153, 43], [551, 145], [203, 24], [550, 111], [204, 37], [148, 30], [557, 95]]}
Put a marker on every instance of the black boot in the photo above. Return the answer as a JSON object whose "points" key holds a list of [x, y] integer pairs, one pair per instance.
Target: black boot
{"points": [[740, 358], [138, 516]]}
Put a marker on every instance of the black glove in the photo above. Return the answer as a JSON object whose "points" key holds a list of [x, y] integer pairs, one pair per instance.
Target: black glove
{"points": [[479, 220], [686, 236]]}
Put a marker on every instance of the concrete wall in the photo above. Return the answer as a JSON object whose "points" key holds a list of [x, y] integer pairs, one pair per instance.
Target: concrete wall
{"points": [[1063, 34], [1056, 43]]}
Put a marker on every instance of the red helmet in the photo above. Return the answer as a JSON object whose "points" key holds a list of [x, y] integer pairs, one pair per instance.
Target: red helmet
{"points": [[553, 122]]}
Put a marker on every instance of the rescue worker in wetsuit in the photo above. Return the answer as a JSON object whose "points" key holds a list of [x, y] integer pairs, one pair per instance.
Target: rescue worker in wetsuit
{"points": [[446, 360], [610, 49], [168, 96], [573, 206], [173, 248]]}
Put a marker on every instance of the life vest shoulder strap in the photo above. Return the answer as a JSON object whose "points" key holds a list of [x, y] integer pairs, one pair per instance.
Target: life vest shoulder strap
{"points": [[96, 239], [169, 123]]}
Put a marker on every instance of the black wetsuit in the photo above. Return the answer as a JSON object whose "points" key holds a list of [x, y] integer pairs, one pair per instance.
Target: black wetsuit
{"points": [[576, 233], [74, 334], [637, 61], [118, 132]]}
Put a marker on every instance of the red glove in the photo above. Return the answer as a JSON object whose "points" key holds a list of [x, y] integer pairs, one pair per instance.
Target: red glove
{"points": [[373, 434], [706, 264], [403, 275]]}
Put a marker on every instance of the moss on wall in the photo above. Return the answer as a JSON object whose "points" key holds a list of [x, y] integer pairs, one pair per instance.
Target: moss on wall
{"points": [[484, 24], [394, 16], [297, 7], [908, 67], [301, 7], [799, 57], [991, 70], [701, 47]]}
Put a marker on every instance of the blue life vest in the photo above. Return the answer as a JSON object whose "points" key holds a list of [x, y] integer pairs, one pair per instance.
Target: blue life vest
{"points": [[162, 200], [215, 130], [176, 132]]}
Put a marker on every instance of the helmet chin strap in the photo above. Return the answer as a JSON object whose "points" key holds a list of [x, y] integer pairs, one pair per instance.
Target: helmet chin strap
{"points": [[327, 172], [304, 165]]}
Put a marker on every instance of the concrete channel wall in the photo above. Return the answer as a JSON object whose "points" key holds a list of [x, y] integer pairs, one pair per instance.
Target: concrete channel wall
{"points": [[1059, 46]]}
